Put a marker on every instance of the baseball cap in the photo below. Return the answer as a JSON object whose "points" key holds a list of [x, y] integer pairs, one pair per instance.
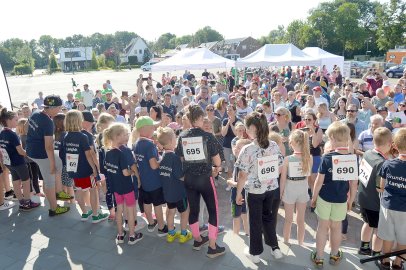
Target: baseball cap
{"points": [[137, 110], [382, 109], [52, 101], [402, 103], [143, 121], [88, 116], [316, 88], [204, 78], [279, 80]]}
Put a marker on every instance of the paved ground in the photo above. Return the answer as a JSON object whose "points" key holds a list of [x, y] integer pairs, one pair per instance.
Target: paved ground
{"points": [[35, 241]]}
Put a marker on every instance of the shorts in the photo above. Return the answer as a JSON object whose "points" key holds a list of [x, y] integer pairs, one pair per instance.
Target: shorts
{"points": [[180, 205], [370, 217], [237, 210], [296, 192], [19, 172], [66, 180], [316, 164], [391, 225], [45, 170], [156, 197], [127, 199], [84, 183], [331, 211]]}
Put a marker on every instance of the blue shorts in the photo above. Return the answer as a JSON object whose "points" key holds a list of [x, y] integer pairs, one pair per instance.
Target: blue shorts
{"points": [[316, 164], [237, 210]]}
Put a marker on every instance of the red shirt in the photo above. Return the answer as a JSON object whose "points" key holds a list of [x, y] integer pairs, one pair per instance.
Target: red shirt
{"points": [[374, 85]]}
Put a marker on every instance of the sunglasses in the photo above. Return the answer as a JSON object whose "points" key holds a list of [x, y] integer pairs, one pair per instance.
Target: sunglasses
{"points": [[402, 105], [279, 114], [308, 119], [209, 110], [352, 110]]}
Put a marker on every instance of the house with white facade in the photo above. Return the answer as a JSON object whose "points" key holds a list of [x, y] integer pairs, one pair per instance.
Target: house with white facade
{"points": [[134, 52], [75, 58]]}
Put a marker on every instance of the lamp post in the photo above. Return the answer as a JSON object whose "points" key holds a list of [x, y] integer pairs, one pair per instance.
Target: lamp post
{"points": [[367, 42]]}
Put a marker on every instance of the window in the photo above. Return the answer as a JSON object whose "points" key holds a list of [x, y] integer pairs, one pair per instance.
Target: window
{"points": [[72, 54], [244, 47], [139, 51]]}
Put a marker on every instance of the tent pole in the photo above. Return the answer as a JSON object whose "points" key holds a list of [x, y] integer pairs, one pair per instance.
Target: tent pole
{"points": [[8, 89]]}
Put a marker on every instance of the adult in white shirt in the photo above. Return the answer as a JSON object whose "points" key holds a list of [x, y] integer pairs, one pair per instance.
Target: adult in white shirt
{"points": [[87, 96], [318, 99], [114, 112]]}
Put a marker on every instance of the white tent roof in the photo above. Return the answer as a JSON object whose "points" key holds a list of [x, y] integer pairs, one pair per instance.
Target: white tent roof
{"points": [[277, 55], [189, 59], [327, 58]]}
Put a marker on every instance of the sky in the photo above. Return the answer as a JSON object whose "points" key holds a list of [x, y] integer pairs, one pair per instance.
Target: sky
{"points": [[149, 19]]}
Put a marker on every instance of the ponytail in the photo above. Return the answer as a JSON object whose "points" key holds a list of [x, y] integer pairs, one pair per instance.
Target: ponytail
{"points": [[261, 124], [306, 157], [6, 115], [107, 138], [110, 133]]}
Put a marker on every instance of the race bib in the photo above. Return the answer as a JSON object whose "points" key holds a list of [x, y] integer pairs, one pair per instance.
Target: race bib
{"points": [[72, 162], [365, 171], [268, 168], [295, 169], [345, 167], [6, 158], [193, 149]]}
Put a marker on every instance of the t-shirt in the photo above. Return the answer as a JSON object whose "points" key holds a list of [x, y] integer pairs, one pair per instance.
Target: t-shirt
{"points": [[230, 134], [332, 191], [147, 103], [90, 138], [108, 104], [171, 110], [75, 145], [242, 113], [87, 98], [394, 194], [234, 189], [101, 153], [39, 126], [114, 163], [144, 150], [9, 140], [311, 85], [368, 195], [170, 171], [366, 140]]}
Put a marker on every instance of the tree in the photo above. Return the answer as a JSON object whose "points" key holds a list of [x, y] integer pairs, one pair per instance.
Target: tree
{"points": [[53, 65], [163, 42], [94, 65], [147, 56], [391, 21], [207, 34], [6, 59], [275, 36]]}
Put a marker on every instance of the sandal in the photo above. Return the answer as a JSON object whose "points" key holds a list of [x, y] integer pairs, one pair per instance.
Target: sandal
{"points": [[317, 262], [398, 267], [336, 259], [383, 265]]}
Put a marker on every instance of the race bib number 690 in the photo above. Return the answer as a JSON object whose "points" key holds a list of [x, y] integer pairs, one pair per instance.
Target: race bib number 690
{"points": [[345, 167]]}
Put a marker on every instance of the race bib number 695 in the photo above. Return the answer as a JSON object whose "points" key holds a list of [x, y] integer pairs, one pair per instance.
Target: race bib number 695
{"points": [[193, 148], [345, 167]]}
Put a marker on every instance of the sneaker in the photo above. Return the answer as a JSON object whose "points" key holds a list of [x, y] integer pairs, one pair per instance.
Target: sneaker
{"points": [[135, 238], [318, 263], [336, 259], [34, 204], [63, 196], [277, 253], [59, 210], [228, 188], [198, 245], [203, 228], [383, 265], [184, 238], [221, 229], [151, 227], [253, 258], [163, 232], [218, 251], [9, 195], [364, 251], [25, 207], [172, 237], [6, 205], [120, 238], [85, 216], [100, 217]]}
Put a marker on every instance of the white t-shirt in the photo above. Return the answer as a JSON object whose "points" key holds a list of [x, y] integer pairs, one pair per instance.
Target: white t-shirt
{"points": [[320, 100], [88, 98], [242, 113]]}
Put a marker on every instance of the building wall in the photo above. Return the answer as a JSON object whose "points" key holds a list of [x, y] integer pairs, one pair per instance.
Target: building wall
{"points": [[247, 46], [135, 51]]}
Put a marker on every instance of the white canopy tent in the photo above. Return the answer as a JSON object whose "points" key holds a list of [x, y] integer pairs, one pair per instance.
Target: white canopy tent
{"points": [[327, 58], [192, 59], [278, 55]]}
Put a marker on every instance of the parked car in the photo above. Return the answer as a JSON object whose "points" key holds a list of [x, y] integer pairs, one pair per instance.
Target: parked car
{"points": [[147, 65], [395, 71]]}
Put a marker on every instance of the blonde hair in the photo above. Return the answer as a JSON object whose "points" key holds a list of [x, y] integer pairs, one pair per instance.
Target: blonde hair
{"points": [[400, 140], [239, 124], [20, 129], [381, 136], [324, 105], [286, 113], [112, 132], [338, 131], [219, 103], [165, 135], [273, 136], [73, 121], [389, 103], [302, 139], [102, 122]]}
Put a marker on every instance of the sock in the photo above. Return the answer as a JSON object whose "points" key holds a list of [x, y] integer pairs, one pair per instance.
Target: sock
{"points": [[376, 253], [183, 232], [273, 248], [364, 245], [172, 232]]}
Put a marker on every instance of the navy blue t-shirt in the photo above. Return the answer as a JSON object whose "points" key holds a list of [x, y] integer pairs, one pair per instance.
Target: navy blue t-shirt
{"points": [[39, 126], [128, 153], [9, 140], [144, 150], [90, 138], [77, 143], [115, 162], [332, 191], [58, 146], [394, 194], [170, 171], [234, 189], [230, 134], [101, 153]]}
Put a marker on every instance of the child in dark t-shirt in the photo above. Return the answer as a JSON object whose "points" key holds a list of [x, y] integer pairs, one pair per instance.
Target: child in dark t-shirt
{"points": [[171, 174]]}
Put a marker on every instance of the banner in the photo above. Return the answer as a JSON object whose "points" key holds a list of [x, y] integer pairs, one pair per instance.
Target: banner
{"points": [[5, 99]]}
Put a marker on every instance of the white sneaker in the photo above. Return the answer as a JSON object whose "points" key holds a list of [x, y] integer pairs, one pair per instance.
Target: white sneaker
{"points": [[277, 253], [253, 258], [228, 188], [6, 205]]}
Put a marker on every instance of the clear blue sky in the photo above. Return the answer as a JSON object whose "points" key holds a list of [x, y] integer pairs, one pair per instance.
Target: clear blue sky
{"points": [[149, 19]]}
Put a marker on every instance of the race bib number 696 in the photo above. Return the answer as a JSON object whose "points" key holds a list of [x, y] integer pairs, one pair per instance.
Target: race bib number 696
{"points": [[268, 167]]}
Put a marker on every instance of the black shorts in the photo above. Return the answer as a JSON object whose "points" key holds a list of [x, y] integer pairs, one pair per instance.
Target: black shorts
{"points": [[180, 205], [370, 217], [237, 210], [156, 197], [19, 172]]}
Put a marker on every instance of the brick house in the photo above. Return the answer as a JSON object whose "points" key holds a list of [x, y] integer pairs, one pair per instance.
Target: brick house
{"points": [[236, 48]]}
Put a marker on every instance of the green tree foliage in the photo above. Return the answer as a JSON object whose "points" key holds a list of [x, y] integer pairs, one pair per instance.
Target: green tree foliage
{"points": [[53, 65], [94, 64], [391, 22], [207, 34], [146, 57], [165, 41], [6, 59]]}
